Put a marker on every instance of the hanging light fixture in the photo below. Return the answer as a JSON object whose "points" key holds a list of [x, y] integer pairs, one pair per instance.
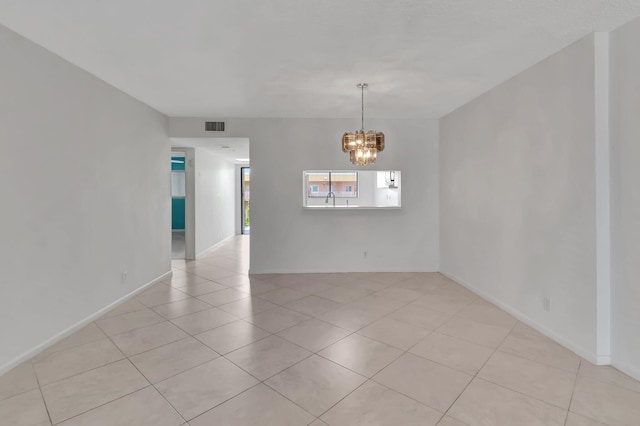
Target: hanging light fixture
{"points": [[363, 147]]}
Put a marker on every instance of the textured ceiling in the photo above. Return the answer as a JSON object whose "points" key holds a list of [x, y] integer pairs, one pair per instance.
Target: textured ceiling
{"points": [[303, 58]]}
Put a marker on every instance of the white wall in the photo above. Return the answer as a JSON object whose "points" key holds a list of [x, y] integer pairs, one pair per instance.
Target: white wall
{"points": [[286, 238], [85, 196], [518, 198], [215, 200], [625, 212]]}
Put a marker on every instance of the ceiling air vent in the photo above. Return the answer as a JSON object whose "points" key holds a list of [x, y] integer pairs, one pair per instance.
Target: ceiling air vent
{"points": [[214, 126]]}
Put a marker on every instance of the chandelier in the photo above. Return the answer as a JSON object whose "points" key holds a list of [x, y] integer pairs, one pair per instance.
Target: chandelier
{"points": [[363, 147]]}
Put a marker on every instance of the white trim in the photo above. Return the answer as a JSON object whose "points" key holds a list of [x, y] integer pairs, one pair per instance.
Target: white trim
{"points": [[75, 327], [603, 209], [578, 349], [628, 369], [333, 271], [213, 247]]}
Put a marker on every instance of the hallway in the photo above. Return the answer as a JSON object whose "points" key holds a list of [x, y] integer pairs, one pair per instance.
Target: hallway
{"points": [[213, 346]]}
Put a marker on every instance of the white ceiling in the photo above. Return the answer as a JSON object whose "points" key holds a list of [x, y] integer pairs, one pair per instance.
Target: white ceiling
{"points": [[231, 149], [303, 58]]}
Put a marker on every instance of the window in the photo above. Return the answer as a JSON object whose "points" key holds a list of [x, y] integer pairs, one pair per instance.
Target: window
{"points": [[340, 184]]}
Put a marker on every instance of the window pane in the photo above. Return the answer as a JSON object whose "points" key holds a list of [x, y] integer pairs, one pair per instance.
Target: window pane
{"points": [[317, 184], [345, 184], [341, 184]]}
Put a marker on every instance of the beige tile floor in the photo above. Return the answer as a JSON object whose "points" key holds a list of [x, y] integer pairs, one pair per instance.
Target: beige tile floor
{"points": [[213, 346]]}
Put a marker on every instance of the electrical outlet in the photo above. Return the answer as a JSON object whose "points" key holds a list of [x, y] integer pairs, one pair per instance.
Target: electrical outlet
{"points": [[546, 303], [123, 277]]}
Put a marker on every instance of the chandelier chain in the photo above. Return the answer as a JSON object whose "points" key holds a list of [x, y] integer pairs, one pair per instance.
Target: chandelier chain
{"points": [[362, 100]]}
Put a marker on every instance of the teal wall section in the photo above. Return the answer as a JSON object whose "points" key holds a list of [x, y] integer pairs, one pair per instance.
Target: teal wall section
{"points": [[177, 163], [177, 213]]}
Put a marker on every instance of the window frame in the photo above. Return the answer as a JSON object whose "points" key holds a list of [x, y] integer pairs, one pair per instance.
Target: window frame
{"points": [[321, 194]]}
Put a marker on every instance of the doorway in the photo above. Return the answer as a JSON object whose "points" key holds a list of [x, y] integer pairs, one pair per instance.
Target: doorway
{"points": [[178, 204], [245, 190], [182, 194]]}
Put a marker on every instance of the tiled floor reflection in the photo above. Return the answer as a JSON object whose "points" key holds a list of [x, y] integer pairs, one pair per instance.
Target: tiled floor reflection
{"points": [[213, 346]]}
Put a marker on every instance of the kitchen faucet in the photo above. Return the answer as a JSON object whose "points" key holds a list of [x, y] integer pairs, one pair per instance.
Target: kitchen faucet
{"points": [[330, 194]]}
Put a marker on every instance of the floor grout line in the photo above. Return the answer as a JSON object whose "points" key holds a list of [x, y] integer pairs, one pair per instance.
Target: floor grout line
{"points": [[367, 379], [446, 413], [85, 371], [573, 391], [151, 384], [346, 281], [44, 401]]}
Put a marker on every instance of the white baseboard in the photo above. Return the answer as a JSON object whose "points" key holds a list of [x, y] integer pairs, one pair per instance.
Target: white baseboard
{"points": [[334, 271], [628, 369], [75, 327], [572, 346], [213, 247]]}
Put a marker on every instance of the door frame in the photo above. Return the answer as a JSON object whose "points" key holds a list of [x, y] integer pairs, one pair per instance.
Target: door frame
{"points": [[190, 202]]}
